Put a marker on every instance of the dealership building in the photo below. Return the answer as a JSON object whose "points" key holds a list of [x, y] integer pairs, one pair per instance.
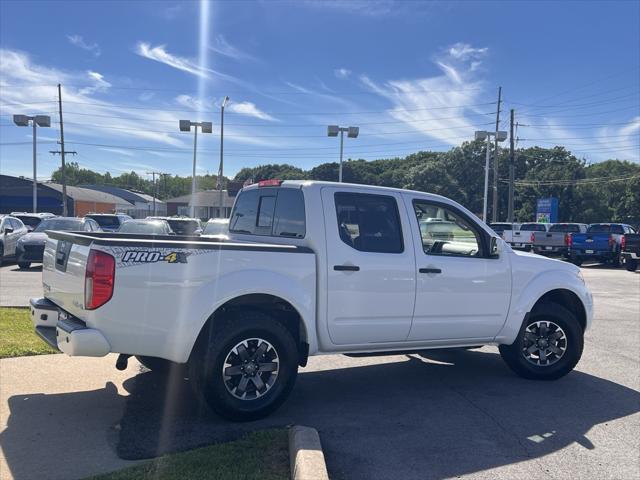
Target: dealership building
{"points": [[207, 204], [16, 195]]}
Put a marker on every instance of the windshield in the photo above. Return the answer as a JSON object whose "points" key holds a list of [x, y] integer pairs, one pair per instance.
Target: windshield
{"points": [[29, 221], [148, 228], [565, 227], [216, 228], [106, 220], [532, 227], [605, 228], [65, 224], [184, 227]]}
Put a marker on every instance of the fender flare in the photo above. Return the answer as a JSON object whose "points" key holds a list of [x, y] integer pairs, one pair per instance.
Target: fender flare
{"points": [[234, 285], [537, 287]]}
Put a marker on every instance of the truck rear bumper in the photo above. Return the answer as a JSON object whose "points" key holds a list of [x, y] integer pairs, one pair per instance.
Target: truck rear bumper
{"points": [[630, 255], [65, 332]]}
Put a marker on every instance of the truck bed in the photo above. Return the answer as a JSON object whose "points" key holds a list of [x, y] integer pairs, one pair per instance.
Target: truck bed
{"points": [[165, 287]]}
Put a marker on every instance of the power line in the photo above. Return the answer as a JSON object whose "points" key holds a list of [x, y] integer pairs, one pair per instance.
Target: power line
{"points": [[584, 181]]}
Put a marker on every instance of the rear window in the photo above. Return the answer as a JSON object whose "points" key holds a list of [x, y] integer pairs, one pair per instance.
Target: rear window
{"points": [[501, 227], [151, 228], [65, 224], [184, 227], [32, 222], [277, 212], [106, 220], [605, 228], [565, 228], [532, 227]]}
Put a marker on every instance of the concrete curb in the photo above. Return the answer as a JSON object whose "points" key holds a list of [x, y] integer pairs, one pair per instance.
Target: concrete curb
{"points": [[305, 454]]}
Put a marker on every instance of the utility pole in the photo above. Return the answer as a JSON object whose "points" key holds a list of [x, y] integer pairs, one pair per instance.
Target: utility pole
{"points": [[155, 189], [221, 209], [511, 169], [494, 213], [62, 152]]}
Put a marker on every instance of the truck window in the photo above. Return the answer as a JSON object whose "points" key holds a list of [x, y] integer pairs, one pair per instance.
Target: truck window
{"points": [[290, 216], [369, 223], [565, 227], [445, 232], [269, 211]]}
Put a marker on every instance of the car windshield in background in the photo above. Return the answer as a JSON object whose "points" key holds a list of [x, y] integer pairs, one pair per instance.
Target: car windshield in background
{"points": [[184, 227], [532, 227], [605, 228], [105, 221], [216, 228], [29, 221], [565, 228], [65, 224], [144, 228], [501, 227]]}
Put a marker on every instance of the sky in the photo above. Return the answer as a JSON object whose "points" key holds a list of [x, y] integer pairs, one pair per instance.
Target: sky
{"points": [[411, 75]]}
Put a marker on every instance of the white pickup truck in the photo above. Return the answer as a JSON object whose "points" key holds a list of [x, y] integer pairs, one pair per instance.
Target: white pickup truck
{"points": [[310, 268]]}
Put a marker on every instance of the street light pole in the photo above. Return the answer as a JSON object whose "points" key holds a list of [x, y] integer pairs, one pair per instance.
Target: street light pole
{"points": [[221, 211], [35, 179], [36, 120], [185, 126], [193, 176], [352, 132]]}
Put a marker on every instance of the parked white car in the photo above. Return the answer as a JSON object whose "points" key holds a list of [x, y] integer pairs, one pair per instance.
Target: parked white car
{"points": [[311, 268], [11, 230]]}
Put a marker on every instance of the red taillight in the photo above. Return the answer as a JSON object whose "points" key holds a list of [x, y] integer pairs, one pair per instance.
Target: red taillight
{"points": [[269, 183], [623, 242], [533, 237], [568, 239], [612, 241], [99, 279]]}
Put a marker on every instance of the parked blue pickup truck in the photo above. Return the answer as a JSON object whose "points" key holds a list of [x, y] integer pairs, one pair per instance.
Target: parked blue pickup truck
{"points": [[601, 243]]}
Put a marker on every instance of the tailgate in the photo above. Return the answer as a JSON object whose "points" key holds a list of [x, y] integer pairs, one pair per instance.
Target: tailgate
{"points": [[63, 271], [550, 239], [591, 241]]}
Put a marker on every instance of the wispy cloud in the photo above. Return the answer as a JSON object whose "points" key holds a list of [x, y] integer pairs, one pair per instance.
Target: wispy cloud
{"points": [[223, 47], [342, 73], [118, 151], [99, 84], [192, 103], [370, 8], [441, 106], [79, 42], [250, 110], [160, 54]]}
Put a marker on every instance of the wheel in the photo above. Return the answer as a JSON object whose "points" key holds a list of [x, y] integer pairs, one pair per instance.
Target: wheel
{"points": [[548, 346], [24, 265], [246, 367], [631, 264], [577, 261], [1, 254], [158, 365]]}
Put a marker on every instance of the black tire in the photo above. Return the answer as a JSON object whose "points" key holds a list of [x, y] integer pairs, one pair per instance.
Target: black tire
{"points": [[514, 356], [1, 254], [212, 353], [577, 261], [24, 265], [159, 365], [631, 264], [615, 261]]}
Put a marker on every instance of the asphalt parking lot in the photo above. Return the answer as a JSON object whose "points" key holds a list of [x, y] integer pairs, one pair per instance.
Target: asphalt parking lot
{"points": [[18, 286], [436, 415]]}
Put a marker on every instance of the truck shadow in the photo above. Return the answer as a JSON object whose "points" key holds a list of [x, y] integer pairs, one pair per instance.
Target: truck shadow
{"points": [[436, 414], [444, 412]]}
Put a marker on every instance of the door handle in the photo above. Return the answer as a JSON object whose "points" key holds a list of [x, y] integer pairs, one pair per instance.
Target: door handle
{"points": [[430, 270], [346, 268]]}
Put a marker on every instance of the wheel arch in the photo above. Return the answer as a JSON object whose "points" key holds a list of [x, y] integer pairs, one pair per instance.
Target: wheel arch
{"points": [[275, 306], [569, 300]]}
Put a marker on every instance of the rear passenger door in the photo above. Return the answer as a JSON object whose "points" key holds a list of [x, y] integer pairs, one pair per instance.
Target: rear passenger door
{"points": [[371, 276]]}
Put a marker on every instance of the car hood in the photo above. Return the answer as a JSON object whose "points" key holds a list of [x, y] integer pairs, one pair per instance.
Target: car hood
{"points": [[534, 263], [34, 238]]}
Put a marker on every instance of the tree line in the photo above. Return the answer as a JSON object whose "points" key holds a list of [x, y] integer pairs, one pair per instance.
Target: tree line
{"points": [[605, 191]]}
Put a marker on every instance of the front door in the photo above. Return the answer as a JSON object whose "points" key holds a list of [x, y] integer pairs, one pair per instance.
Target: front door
{"points": [[462, 292], [371, 267]]}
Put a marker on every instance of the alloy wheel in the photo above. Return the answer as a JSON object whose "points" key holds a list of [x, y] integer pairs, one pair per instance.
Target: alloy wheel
{"points": [[251, 368], [544, 343]]}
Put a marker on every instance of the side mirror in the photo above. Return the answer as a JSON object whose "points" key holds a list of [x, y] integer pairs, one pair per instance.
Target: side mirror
{"points": [[494, 248], [8, 230]]}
